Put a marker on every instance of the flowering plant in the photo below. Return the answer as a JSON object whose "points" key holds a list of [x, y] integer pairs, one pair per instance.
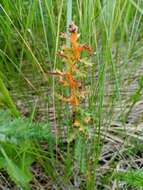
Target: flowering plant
{"points": [[70, 77]]}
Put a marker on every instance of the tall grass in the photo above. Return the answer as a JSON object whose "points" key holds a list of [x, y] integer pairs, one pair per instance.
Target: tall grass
{"points": [[29, 44]]}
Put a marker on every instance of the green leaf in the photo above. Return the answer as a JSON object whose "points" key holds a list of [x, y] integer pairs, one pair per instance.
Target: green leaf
{"points": [[6, 99], [140, 82], [80, 155], [17, 174], [136, 96], [19, 129], [86, 62], [72, 136]]}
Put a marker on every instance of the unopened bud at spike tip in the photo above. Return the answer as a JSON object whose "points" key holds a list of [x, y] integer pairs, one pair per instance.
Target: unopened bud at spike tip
{"points": [[73, 28]]}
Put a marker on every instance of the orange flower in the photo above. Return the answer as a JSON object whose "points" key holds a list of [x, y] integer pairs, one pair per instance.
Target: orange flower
{"points": [[87, 120], [73, 100], [76, 123]]}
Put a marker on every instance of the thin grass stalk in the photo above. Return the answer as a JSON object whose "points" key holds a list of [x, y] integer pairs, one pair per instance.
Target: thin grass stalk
{"points": [[54, 66], [31, 10], [136, 5], [69, 19], [26, 44], [44, 28], [2, 53]]}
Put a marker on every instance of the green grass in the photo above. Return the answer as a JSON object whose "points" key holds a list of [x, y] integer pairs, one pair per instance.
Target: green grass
{"points": [[29, 42]]}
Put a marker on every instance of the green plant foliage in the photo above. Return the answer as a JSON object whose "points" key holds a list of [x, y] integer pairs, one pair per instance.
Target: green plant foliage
{"points": [[19, 175], [23, 129], [140, 82], [17, 146], [133, 177]]}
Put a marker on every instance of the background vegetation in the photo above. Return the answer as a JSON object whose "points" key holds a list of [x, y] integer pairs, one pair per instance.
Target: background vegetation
{"points": [[37, 148]]}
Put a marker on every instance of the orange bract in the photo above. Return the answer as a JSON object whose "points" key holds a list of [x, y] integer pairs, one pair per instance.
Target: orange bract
{"points": [[75, 46]]}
